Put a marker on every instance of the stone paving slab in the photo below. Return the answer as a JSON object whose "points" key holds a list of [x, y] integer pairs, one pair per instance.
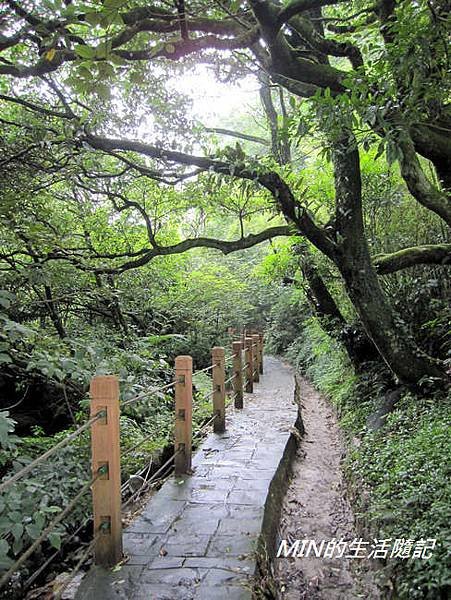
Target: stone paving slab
{"points": [[196, 538]]}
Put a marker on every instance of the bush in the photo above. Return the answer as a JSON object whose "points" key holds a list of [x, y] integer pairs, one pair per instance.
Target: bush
{"points": [[404, 466]]}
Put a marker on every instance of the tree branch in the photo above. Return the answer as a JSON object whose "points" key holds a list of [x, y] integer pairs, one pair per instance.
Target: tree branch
{"points": [[436, 254], [238, 134], [226, 247], [292, 210], [298, 6], [418, 184], [324, 45], [35, 108]]}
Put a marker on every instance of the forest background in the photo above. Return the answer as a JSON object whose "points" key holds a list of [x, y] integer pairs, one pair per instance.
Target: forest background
{"points": [[169, 172]]}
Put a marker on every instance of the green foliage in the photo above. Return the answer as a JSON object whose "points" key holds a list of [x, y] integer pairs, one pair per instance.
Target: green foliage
{"points": [[325, 363], [75, 220], [285, 320], [29, 505], [405, 467], [8, 442], [399, 473]]}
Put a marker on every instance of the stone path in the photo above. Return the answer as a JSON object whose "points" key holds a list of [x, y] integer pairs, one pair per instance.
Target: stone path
{"points": [[196, 538]]}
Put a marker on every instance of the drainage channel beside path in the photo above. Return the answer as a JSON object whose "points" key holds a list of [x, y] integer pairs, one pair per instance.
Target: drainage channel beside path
{"points": [[196, 539]]}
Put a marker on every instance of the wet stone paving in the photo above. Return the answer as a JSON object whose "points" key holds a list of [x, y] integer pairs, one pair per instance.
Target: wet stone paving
{"points": [[195, 540]]}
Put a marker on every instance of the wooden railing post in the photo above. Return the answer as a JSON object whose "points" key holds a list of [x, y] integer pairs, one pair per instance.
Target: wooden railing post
{"points": [[183, 414], [261, 353], [256, 367], [237, 381], [106, 490], [218, 376], [249, 358]]}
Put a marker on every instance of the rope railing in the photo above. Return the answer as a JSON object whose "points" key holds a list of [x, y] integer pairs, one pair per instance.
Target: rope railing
{"points": [[149, 393], [107, 490], [89, 549], [52, 557], [209, 395], [69, 578], [153, 477], [138, 445], [231, 378], [204, 427], [230, 358], [50, 527], [50, 452], [209, 368]]}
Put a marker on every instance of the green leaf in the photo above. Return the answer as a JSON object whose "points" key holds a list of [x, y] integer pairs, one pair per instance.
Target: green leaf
{"points": [[380, 150], [117, 60], [103, 91], [391, 152], [55, 540], [33, 531], [84, 51], [5, 561], [84, 72], [113, 3], [17, 530], [136, 77], [105, 70], [5, 299], [5, 358], [94, 18]]}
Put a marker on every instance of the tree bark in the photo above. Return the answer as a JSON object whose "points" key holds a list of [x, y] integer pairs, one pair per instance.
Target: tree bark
{"points": [[418, 184], [434, 143], [429, 254], [280, 147], [408, 363], [359, 347], [53, 313]]}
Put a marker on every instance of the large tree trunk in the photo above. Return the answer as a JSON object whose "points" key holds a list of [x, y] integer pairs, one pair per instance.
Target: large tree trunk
{"points": [[418, 184], [359, 348], [396, 347], [384, 336], [434, 143]]}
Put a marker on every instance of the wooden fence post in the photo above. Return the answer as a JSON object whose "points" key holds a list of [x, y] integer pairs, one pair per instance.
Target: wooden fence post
{"points": [[237, 380], [249, 358], [106, 490], [218, 376], [183, 414], [256, 366], [261, 353]]}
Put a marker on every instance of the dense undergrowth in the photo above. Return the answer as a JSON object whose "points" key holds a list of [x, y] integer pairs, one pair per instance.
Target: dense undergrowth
{"points": [[50, 399], [398, 473]]}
